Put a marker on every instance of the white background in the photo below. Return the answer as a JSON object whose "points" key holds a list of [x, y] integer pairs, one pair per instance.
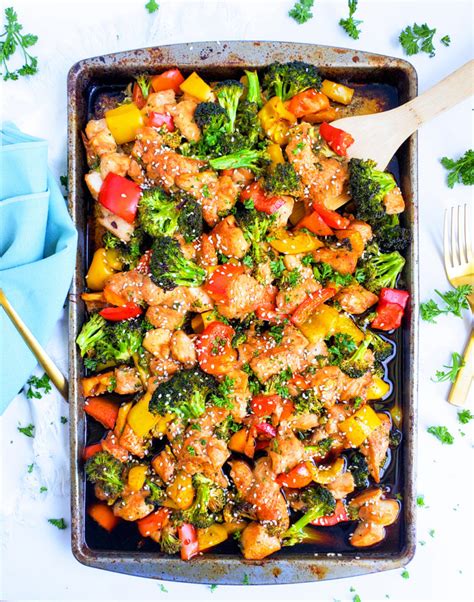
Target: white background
{"points": [[36, 559]]}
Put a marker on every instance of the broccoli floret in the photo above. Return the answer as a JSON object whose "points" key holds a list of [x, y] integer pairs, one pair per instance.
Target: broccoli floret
{"points": [[357, 465], [106, 471], [287, 79], [185, 394], [255, 225], [308, 402], [129, 253], [282, 179], [190, 222], [145, 84], [248, 124], [225, 429], [157, 213], [381, 270], [251, 159], [169, 268], [357, 364], [391, 236], [254, 94], [157, 494], [382, 348], [318, 502], [228, 94], [209, 500], [169, 543], [211, 118], [92, 331]]}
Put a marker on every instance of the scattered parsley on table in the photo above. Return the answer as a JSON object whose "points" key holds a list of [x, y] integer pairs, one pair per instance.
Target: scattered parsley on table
{"points": [[461, 171], [29, 431], [43, 490], [246, 579], [60, 523], [418, 38], [213, 587], [452, 370], [152, 6], [432, 532], [351, 25], [301, 11], [405, 574], [454, 300], [35, 384], [163, 589], [63, 420], [420, 501], [446, 40], [441, 433], [10, 41], [30, 467], [464, 416]]}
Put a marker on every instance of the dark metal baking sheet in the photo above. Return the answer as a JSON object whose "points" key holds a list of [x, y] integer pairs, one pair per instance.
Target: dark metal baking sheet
{"points": [[217, 60]]}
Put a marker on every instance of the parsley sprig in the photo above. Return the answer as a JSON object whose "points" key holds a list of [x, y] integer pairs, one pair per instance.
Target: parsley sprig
{"points": [[454, 300], [351, 25], [452, 371], [35, 384], [152, 6], [442, 434], [60, 523], [301, 11], [461, 171], [28, 431], [419, 38], [10, 41], [464, 416]]}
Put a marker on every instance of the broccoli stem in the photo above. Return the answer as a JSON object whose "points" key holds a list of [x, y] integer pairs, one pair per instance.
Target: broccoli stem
{"points": [[244, 158], [253, 91]]}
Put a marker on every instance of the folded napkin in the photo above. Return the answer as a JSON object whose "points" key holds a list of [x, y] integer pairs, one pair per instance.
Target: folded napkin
{"points": [[37, 252]]}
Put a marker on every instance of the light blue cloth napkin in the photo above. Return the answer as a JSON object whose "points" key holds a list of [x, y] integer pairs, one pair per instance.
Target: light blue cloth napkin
{"points": [[37, 252]]}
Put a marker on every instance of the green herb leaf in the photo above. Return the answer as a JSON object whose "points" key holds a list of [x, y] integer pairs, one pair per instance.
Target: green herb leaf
{"points": [[418, 38], [30, 467], [441, 433], [301, 11], [461, 171], [213, 587], [60, 523], [453, 370], [464, 416], [432, 532], [420, 501], [35, 384], [446, 40], [455, 301], [13, 40], [27, 430], [43, 489], [405, 574], [163, 588], [351, 25], [152, 6]]}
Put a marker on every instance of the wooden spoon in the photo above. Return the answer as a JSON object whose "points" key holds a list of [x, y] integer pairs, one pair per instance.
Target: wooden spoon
{"points": [[378, 136]]}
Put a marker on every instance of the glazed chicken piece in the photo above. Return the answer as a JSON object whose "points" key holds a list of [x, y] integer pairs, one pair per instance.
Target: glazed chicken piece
{"points": [[376, 445], [356, 387], [157, 342], [342, 485], [164, 464], [256, 543], [355, 299], [132, 505], [254, 345], [394, 202], [206, 254], [240, 394], [159, 102], [287, 451], [94, 183], [363, 228], [182, 349], [289, 297], [245, 294], [375, 513], [117, 163], [229, 239], [113, 223], [324, 178], [282, 214], [327, 384], [127, 380], [183, 117], [341, 260], [165, 317], [99, 138]]}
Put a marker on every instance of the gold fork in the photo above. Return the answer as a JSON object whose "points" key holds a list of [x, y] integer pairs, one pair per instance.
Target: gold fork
{"points": [[459, 266]]}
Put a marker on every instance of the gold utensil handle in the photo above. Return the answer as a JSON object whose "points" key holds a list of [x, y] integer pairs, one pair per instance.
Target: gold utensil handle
{"points": [[36, 349], [460, 389]]}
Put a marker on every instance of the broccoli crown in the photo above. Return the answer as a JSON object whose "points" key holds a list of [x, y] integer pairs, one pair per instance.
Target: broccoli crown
{"points": [[357, 364], [157, 493], [209, 501], [251, 159], [190, 222], [129, 253], [169, 268], [211, 117], [357, 465], [185, 394], [382, 348], [106, 471], [92, 331], [282, 179], [287, 79], [318, 501], [247, 123], [169, 543], [391, 236], [381, 269], [157, 213], [308, 402], [255, 225], [254, 94], [228, 94]]}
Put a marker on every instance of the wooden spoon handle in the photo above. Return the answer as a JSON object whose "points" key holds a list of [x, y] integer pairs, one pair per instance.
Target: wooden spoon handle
{"points": [[451, 90]]}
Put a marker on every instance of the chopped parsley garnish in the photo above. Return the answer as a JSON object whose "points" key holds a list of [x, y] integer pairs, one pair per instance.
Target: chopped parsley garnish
{"points": [[35, 384], [351, 25], [246, 579], [301, 11], [30, 467], [452, 371], [276, 332], [342, 345], [60, 523], [420, 501], [418, 38], [464, 416], [43, 489], [324, 273], [290, 279], [163, 588], [454, 300], [152, 6], [446, 40], [191, 451], [10, 41], [63, 420], [461, 171], [405, 574], [221, 397], [277, 267], [441, 433], [27, 430]]}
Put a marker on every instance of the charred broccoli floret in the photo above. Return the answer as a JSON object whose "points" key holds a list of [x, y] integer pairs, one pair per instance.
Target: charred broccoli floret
{"points": [[185, 394], [209, 501], [157, 213], [308, 402], [228, 94], [106, 471], [287, 79], [251, 159], [357, 363], [211, 118], [391, 236], [380, 270], [169, 543], [157, 493], [382, 348], [255, 225], [282, 179], [169, 268], [357, 465], [190, 222], [129, 253], [92, 331], [317, 502]]}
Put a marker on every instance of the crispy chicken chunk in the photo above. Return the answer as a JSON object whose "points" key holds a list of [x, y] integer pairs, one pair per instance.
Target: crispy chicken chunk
{"points": [[355, 299]]}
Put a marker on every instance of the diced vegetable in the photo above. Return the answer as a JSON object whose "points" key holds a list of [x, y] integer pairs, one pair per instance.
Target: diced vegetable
{"points": [[121, 196], [181, 491], [265, 405], [123, 122], [298, 477], [158, 120], [140, 419], [124, 312], [103, 515], [214, 348], [320, 324], [99, 270], [275, 153], [358, 427], [388, 316], [220, 281], [189, 541], [122, 417], [261, 200], [153, 522], [338, 516], [309, 305], [276, 120], [91, 450], [168, 80], [212, 536], [293, 244], [315, 224], [309, 101], [378, 388], [332, 218], [394, 295], [326, 474], [338, 140], [98, 384], [103, 410], [197, 87], [137, 476], [337, 92]]}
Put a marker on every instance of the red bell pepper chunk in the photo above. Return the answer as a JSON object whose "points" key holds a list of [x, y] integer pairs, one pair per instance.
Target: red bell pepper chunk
{"points": [[288, 409], [91, 450], [103, 410], [220, 280], [189, 542], [168, 80], [389, 316], [305, 309], [296, 478], [153, 522], [338, 140], [338, 516], [331, 218], [266, 430], [261, 201], [265, 405], [137, 96], [262, 444], [394, 295], [315, 224], [158, 120], [123, 312], [121, 196], [214, 348], [143, 266]]}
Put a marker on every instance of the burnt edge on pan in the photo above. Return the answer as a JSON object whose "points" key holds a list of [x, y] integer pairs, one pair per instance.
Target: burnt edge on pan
{"points": [[223, 58]]}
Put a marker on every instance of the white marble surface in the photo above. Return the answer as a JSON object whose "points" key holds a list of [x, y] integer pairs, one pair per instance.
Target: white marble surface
{"points": [[36, 560]]}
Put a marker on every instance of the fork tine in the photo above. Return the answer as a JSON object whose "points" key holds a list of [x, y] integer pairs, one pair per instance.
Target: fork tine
{"points": [[469, 226], [446, 246], [454, 238]]}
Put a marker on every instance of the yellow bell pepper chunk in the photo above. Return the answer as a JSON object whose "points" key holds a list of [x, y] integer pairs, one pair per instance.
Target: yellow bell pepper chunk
{"points": [[378, 388], [137, 476], [276, 120], [345, 325], [123, 122], [275, 153], [122, 418], [358, 427], [326, 474], [181, 491], [289, 244], [337, 92], [200, 321], [112, 257], [238, 525], [140, 419], [197, 87], [211, 536], [162, 425], [99, 271], [320, 324]]}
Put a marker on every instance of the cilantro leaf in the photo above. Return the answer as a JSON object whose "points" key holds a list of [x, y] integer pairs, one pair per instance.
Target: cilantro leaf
{"points": [[461, 171], [453, 370], [301, 11], [350, 25], [60, 523], [441, 433], [418, 38], [152, 6], [12, 40], [464, 416], [27, 430]]}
